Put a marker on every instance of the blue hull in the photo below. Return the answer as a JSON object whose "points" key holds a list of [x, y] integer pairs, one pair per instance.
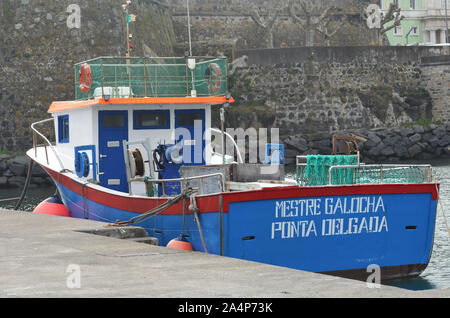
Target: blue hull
{"points": [[336, 234]]}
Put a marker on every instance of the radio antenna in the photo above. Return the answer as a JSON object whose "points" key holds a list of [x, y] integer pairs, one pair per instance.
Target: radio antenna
{"points": [[189, 28]]}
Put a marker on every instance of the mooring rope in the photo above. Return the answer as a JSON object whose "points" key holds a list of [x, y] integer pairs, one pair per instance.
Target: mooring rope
{"points": [[10, 199], [27, 183], [194, 208], [186, 193]]}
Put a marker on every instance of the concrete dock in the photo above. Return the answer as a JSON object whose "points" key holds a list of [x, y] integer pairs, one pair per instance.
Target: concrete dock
{"points": [[48, 256]]}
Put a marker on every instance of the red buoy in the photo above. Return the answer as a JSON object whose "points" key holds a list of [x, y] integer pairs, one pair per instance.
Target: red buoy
{"points": [[52, 206], [180, 243]]}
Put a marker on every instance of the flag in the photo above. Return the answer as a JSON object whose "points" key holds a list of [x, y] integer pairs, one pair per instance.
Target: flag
{"points": [[131, 18]]}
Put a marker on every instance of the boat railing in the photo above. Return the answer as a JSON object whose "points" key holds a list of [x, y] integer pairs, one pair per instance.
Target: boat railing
{"points": [[47, 143], [124, 77], [360, 173], [380, 173], [184, 181]]}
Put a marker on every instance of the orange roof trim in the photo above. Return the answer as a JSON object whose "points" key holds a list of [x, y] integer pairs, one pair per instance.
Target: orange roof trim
{"points": [[64, 106]]}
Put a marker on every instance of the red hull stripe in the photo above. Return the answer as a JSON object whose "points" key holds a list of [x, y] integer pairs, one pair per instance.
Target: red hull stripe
{"points": [[211, 203]]}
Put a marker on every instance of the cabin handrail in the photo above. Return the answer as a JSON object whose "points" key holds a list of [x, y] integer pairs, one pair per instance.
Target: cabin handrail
{"points": [[240, 160], [36, 132]]}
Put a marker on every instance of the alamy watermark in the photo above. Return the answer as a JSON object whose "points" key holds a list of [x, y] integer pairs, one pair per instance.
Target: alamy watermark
{"points": [[373, 280], [374, 16], [73, 280], [199, 144], [74, 18]]}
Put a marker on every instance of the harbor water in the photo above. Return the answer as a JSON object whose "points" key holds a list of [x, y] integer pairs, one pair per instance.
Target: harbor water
{"points": [[436, 276]]}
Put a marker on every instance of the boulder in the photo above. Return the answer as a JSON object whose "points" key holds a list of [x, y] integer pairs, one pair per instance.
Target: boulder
{"points": [[297, 143], [3, 182], [17, 181], [418, 129], [414, 150], [440, 131], [388, 151], [38, 171], [415, 138], [444, 141], [406, 131], [373, 137], [392, 140], [428, 136], [401, 152], [18, 165]]}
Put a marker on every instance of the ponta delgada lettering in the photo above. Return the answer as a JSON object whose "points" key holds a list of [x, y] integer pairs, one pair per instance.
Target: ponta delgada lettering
{"points": [[300, 218]]}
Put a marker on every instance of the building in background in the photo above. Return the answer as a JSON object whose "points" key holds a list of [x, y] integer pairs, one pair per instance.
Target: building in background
{"points": [[424, 22]]}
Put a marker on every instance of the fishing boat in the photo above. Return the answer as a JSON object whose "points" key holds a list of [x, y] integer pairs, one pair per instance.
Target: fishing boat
{"points": [[136, 147]]}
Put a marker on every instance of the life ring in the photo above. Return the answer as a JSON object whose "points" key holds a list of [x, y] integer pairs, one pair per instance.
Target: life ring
{"points": [[85, 78], [214, 76]]}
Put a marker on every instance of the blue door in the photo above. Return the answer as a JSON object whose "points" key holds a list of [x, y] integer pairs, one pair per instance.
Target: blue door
{"points": [[113, 129], [190, 125]]}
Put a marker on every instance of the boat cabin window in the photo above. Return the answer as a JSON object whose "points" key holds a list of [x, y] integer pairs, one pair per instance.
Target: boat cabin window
{"points": [[151, 119], [113, 120], [188, 119], [63, 129]]}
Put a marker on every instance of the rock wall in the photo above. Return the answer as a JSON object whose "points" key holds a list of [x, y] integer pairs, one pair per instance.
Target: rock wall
{"points": [[327, 89], [435, 78], [39, 46], [214, 20], [13, 173], [388, 145]]}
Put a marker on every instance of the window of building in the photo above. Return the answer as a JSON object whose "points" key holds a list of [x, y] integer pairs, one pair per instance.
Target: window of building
{"points": [[443, 4], [413, 4], [397, 3], [398, 30], [63, 129], [414, 31], [151, 119]]}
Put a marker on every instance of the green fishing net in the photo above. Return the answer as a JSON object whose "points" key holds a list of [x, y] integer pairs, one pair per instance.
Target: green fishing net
{"points": [[317, 168]]}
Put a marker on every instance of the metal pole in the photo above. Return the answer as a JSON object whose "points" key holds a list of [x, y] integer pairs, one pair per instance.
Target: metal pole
{"points": [[221, 222], [222, 124], [189, 28], [128, 33], [446, 21]]}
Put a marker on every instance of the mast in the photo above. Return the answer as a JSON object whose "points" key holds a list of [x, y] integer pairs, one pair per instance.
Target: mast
{"points": [[128, 54], [125, 8]]}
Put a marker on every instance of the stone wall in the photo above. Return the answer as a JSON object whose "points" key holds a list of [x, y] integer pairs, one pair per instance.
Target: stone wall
{"points": [[436, 80], [13, 173], [325, 89], [38, 51], [387, 145], [213, 20]]}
